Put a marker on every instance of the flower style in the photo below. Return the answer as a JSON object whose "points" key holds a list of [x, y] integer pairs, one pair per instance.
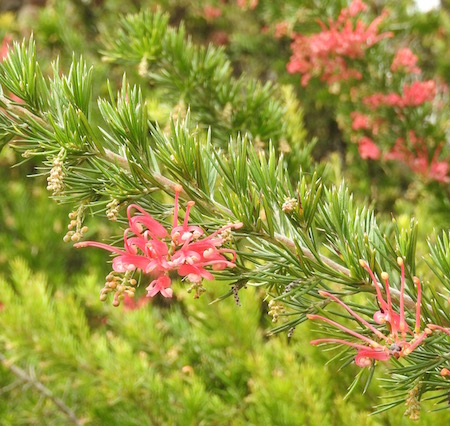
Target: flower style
{"points": [[150, 248], [396, 343]]}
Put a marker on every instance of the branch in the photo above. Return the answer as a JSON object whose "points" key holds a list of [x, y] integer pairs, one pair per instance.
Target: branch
{"points": [[279, 238], [169, 185], [22, 374]]}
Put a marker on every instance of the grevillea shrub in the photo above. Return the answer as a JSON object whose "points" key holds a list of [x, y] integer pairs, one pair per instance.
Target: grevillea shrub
{"points": [[210, 197], [386, 105]]}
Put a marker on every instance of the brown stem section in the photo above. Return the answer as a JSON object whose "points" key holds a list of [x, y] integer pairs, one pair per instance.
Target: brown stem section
{"points": [[22, 374]]}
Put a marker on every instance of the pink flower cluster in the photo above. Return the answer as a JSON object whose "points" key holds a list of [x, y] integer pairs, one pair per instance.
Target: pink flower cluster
{"points": [[251, 4], [368, 149], [413, 95], [131, 304], [281, 29], [405, 60], [4, 47], [360, 121], [212, 12], [410, 150], [325, 54], [148, 247], [417, 158], [395, 344]]}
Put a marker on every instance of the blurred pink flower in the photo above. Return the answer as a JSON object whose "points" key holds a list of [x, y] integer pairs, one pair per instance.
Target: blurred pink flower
{"points": [[281, 29], [220, 38], [212, 12], [418, 93], [324, 54], [413, 95], [405, 60], [131, 304], [359, 121], [368, 149], [251, 4], [4, 47], [416, 156]]}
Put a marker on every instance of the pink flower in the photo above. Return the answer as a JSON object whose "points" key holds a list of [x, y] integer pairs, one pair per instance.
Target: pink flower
{"points": [[439, 171], [416, 157], [281, 29], [413, 95], [393, 99], [148, 247], [160, 285], [220, 38], [4, 47], [405, 60], [131, 304], [359, 121], [356, 7], [244, 3], [325, 54], [418, 93], [212, 12], [367, 149], [396, 343]]}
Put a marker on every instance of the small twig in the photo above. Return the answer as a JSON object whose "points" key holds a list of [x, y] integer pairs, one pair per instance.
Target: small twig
{"points": [[123, 162], [22, 374]]}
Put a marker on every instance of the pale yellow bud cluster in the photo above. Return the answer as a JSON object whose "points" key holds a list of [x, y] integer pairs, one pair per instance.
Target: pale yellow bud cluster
{"points": [[284, 147], [258, 144], [226, 235], [197, 288], [227, 111], [29, 153], [275, 310], [55, 182], [76, 230], [143, 67], [289, 205], [119, 285], [112, 211], [413, 403]]}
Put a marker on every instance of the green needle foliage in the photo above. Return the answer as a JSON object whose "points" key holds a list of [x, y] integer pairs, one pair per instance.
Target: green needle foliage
{"points": [[84, 362], [201, 78], [299, 236]]}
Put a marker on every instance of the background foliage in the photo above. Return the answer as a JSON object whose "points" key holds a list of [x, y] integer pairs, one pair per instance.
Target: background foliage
{"points": [[186, 362]]}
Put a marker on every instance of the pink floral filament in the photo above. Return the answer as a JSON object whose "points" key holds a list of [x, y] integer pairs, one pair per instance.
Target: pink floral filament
{"points": [[375, 351]]}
